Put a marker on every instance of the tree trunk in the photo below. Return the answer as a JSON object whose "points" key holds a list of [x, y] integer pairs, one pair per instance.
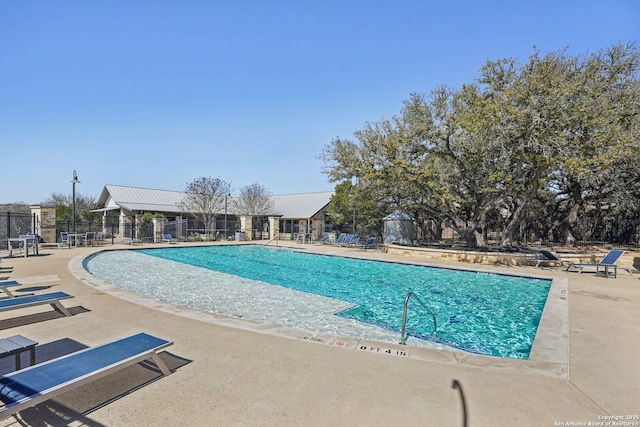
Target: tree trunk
{"points": [[572, 217]]}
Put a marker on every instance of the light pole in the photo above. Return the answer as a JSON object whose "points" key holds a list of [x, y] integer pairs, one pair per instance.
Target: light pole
{"points": [[226, 231], [353, 184], [74, 181]]}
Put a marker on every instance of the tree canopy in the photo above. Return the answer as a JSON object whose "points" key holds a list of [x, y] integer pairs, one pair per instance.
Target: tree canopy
{"points": [[205, 196], [254, 199], [555, 139]]}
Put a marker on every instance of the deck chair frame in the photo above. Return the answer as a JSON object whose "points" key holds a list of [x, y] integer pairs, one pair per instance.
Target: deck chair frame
{"points": [[33, 300], [39, 396], [606, 264], [5, 285]]}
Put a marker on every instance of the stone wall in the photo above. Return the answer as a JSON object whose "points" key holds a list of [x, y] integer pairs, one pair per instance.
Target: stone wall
{"points": [[490, 258]]}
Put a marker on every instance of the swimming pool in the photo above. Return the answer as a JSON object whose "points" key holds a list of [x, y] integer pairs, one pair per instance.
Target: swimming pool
{"points": [[478, 312]]}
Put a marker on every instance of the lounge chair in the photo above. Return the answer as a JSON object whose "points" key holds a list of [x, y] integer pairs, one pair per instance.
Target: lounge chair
{"points": [[169, 238], [5, 285], [549, 258], [325, 240], [340, 239], [30, 386], [369, 243], [347, 240], [354, 240], [607, 263], [33, 300]]}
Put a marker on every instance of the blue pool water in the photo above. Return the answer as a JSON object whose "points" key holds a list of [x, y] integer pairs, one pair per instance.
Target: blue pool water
{"points": [[478, 312]]}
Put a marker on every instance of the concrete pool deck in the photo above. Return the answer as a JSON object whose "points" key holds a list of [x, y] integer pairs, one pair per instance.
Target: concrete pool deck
{"points": [[226, 373]]}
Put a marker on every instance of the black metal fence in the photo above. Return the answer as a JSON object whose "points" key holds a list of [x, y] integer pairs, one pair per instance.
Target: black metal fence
{"points": [[618, 233], [13, 224]]}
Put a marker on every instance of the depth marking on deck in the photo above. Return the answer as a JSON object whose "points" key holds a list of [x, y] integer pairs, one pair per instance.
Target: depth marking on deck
{"points": [[361, 347], [313, 339], [382, 350]]}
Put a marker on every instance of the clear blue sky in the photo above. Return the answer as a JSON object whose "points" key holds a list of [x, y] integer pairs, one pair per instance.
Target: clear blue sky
{"points": [[154, 93]]}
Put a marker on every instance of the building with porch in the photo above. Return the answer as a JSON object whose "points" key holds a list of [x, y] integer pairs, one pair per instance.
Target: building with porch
{"points": [[292, 215]]}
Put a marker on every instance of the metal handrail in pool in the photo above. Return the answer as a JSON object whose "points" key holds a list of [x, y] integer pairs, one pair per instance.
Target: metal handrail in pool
{"points": [[403, 338]]}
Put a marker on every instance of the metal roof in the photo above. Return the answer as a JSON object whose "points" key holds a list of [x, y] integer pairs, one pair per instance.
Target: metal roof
{"points": [[303, 205], [136, 199]]}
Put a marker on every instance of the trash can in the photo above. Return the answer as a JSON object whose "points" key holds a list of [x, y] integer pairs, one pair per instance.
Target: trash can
{"points": [[240, 236]]}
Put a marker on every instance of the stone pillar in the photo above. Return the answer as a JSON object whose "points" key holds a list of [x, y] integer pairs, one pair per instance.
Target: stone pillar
{"points": [[274, 227], [317, 227], [123, 224], [45, 224], [158, 229], [246, 223]]}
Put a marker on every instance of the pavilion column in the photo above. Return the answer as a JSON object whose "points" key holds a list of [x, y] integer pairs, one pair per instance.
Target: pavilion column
{"points": [[274, 227], [122, 224], [45, 222], [246, 223]]}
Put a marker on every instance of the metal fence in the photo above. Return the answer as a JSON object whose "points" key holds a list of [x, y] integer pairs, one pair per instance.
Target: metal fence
{"points": [[619, 233], [13, 224]]}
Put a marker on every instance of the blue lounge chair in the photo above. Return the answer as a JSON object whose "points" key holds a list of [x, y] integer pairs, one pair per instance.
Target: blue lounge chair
{"points": [[607, 263], [169, 238], [325, 240], [31, 386], [340, 239], [6, 284], [347, 240], [354, 240], [549, 258], [369, 243], [33, 300]]}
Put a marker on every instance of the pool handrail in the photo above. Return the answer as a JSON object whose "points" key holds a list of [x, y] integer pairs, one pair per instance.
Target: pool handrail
{"points": [[403, 338]]}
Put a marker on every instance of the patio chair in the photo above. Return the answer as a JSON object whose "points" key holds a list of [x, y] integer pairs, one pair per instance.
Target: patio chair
{"points": [[608, 262], [89, 238], [550, 258], [30, 386], [99, 240], [169, 238]]}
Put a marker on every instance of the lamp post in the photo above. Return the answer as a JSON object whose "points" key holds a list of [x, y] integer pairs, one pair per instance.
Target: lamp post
{"points": [[74, 181], [226, 231], [353, 183]]}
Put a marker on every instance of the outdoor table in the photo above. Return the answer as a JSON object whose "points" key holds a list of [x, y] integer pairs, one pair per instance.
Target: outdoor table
{"points": [[16, 345], [75, 239], [24, 241]]}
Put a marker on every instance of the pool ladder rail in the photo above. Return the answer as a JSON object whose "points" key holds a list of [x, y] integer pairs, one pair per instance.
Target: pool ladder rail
{"points": [[403, 338]]}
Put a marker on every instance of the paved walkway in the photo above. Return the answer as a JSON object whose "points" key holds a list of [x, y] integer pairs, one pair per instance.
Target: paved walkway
{"points": [[229, 372]]}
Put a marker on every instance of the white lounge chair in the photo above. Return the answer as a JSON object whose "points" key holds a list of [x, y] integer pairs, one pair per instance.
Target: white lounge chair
{"points": [[39, 383]]}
